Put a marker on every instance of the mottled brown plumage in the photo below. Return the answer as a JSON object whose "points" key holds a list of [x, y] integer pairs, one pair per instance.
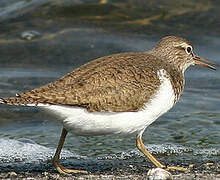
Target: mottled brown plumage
{"points": [[119, 82]]}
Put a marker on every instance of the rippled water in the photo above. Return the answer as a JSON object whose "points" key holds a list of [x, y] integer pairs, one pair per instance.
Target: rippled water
{"points": [[188, 133]]}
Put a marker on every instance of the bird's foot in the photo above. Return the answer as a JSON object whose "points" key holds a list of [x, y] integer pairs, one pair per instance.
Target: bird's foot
{"points": [[176, 168], [64, 170]]}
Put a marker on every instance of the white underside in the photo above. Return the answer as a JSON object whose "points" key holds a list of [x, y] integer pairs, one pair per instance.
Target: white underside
{"points": [[81, 122]]}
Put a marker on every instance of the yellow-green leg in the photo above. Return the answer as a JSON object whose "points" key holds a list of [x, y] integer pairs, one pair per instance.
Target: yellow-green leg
{"points": [[142, 148], [56, 157]]}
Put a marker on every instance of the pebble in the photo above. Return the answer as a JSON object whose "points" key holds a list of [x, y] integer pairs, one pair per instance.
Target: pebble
{"points": [[159, 174], [30, 35], [12, 174], [191, 165], [209, 164]]}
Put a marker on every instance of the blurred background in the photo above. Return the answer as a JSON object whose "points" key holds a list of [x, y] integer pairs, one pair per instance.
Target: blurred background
{"points": [[42, 40]]}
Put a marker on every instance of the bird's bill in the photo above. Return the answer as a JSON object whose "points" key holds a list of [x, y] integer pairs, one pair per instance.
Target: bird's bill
{"points": [[204, 62]]}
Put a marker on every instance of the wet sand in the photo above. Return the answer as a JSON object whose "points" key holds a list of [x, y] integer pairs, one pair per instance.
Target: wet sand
{"points": [[207, 171]]}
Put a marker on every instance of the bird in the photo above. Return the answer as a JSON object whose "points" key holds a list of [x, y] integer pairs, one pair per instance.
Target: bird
{"points": [[118, 94]]}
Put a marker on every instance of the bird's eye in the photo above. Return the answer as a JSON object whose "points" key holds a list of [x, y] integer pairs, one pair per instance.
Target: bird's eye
{"points": [[188, 49]]}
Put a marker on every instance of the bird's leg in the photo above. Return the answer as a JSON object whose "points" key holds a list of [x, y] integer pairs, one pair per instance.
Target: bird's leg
{"points": [[142, 148], [56, 157]]}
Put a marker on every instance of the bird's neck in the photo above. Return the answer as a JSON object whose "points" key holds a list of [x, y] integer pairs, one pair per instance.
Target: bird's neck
{"points": [[171, 58], [175, 70]]}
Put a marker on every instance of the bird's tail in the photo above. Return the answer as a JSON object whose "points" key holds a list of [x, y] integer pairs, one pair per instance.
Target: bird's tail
{"points": [[13, 101], [2, 101], [17, 100]]}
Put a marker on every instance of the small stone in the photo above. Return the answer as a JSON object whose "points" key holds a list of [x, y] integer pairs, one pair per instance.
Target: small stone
{"points": [[131, 166], [159, 174], [209, 164], [29, 35], [45, 173], [12, 174], [30, 178], [191, 165]]}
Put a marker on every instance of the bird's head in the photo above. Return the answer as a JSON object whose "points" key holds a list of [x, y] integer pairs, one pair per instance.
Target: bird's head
{"points": [[179, 52]]}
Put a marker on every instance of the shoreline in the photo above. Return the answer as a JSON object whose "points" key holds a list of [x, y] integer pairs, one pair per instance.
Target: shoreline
{"points": [[48, 175], [208, 171]]}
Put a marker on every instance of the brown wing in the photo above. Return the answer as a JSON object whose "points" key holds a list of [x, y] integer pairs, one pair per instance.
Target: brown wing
{"points": [[120, 82]]}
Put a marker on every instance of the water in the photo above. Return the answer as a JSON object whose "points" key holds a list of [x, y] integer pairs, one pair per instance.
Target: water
{"points": [[187, 134]]}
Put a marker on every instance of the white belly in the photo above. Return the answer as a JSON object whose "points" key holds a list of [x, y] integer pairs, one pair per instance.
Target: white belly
{"points": [[81, 122]]}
